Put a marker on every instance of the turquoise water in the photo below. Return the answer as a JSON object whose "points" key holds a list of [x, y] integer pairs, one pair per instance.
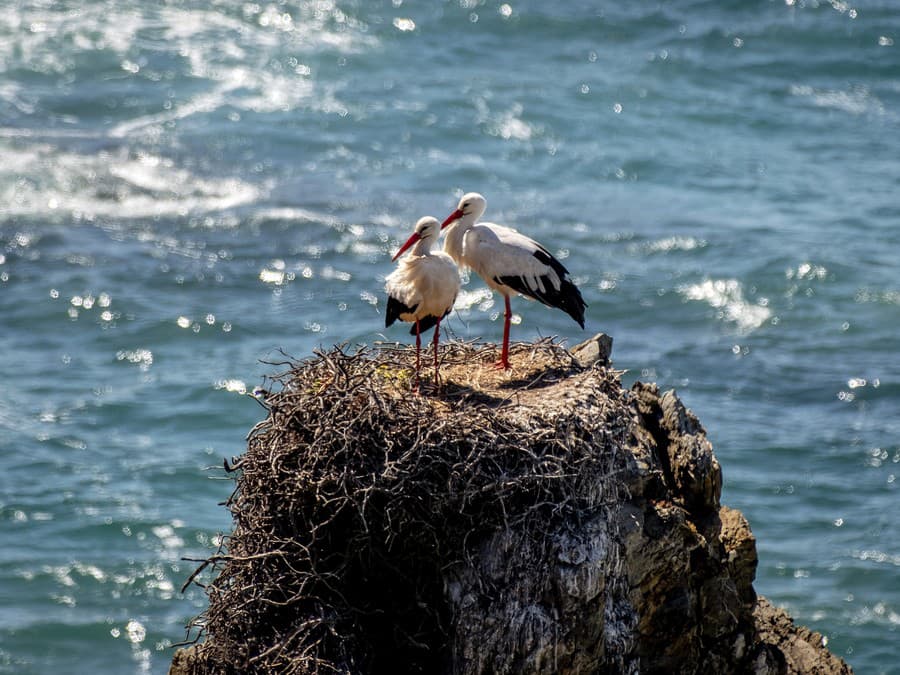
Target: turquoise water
{"points": [[187, 188]]}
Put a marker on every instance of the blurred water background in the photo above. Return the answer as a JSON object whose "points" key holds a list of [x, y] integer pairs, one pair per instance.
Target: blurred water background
{"points": [[189, 186]]}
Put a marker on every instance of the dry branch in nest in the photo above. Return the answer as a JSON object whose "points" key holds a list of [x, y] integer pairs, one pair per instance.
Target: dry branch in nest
{"points": [[359, 505]]}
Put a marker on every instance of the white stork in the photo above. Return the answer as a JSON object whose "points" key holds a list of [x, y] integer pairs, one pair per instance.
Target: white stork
{"points": [[423, 288], [509, 262]]}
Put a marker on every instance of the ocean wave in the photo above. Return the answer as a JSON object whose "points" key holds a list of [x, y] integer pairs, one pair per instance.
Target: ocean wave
{"points": [[255, 59], [42, 181]]}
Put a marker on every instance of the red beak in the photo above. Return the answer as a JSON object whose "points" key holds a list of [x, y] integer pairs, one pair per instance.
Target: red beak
{"points": [[453, 216], [409, 242]]}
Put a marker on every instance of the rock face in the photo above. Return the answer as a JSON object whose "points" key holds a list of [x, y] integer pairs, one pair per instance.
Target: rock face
{"points": [[544, 522]]}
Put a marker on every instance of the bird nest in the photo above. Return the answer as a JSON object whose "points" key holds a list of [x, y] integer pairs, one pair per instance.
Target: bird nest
{"points": [[357, 497]]}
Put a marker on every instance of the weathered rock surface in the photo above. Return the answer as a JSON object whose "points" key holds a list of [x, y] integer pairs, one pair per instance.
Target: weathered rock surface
{"points": [[572, 527], [787, 648]]}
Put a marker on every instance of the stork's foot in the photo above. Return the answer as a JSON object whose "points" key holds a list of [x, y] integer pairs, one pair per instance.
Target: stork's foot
{"points": [[502, 364]]}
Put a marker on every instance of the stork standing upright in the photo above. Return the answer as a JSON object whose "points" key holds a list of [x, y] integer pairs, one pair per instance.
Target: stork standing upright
{"points": [[423, 288], [509, 262]]}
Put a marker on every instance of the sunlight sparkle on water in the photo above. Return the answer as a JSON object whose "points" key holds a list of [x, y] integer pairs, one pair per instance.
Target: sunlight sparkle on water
{"points": [[482, 298], [807, 271], [404, 25], [233, 385], [136, 631], [275, 277], [140, 357], [677, 243], [726, 295], [166, 534]]}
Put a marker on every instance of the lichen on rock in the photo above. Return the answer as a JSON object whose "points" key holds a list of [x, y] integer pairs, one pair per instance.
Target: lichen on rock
{"points": [[543, 521]]}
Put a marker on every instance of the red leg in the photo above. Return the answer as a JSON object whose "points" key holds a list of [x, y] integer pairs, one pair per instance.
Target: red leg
{"points": [[504, 353], [418, 352], [437, 330]]}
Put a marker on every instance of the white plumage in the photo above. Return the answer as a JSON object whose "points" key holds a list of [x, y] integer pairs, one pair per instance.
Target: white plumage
{"points": [[424, 286], [509, 262]]}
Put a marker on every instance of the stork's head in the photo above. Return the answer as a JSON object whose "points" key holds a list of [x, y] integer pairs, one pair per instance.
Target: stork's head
{"points": [[471, 207], [427, 230]]}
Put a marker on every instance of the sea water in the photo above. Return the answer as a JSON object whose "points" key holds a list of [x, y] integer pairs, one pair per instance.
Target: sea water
{"points": [[190, 190]]}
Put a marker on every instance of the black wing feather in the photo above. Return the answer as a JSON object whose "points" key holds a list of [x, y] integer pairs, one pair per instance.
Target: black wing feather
{"points": [[544, 256], [567, 298], [394, 309]]}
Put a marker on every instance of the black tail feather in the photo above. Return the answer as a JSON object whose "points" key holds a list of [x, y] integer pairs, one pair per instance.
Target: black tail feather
{"points": [[427, 323], [395, 308]]}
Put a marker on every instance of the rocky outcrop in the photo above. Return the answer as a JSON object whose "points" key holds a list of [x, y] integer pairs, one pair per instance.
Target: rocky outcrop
{"points": [[547, 521], [787, 648]]}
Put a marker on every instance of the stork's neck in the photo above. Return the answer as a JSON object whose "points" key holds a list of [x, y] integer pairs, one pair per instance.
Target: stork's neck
{"points": [[422, 247], [453, 239]]}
